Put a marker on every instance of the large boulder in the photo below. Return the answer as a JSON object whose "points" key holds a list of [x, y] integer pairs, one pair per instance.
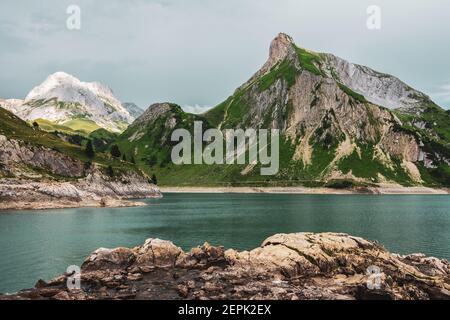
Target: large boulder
{"points": [[158, 253], [119, 258]]}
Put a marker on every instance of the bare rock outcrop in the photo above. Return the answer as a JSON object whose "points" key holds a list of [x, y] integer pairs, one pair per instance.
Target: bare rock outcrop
{"points": [[36, 177], [13, 152], [286, 266], [95, 190]]}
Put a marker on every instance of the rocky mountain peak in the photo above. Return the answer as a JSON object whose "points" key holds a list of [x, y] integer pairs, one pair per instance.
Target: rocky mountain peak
{"points": [[54, 80], [280, 47], [153, 112], [134, 110]]}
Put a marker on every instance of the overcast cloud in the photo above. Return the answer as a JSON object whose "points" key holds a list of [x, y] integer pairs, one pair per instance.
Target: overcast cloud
{"points": [[196, 52]]}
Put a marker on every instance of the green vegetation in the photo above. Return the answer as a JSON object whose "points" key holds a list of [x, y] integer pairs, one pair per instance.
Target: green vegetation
{"points": [[110, 171], [230, 113], [432, 128], [308, 61], [115, 151], [364, 164], [13, 127], [284, 70], [153, 147], [340, 184], [90, 153], [83, 125], [234, 111], [358, 97], [102, 139], [215, 115], [50, 126]]}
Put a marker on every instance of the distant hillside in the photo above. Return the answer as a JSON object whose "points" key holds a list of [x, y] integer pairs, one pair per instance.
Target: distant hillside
{"points": [[134, 110]]}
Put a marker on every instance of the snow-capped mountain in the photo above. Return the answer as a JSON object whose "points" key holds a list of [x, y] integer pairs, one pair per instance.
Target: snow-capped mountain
{"points": [[12, 105], [62, 98]]}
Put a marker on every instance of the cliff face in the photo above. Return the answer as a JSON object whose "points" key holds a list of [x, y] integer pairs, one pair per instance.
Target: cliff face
{"points": [[307, 97], [94, 190], [339, 123], [379, 88], [40, 171], [285, 267], [15, 154]]}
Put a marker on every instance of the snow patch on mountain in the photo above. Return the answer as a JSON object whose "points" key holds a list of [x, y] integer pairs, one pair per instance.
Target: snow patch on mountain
{"points": [[62, 97], [12, 105]]}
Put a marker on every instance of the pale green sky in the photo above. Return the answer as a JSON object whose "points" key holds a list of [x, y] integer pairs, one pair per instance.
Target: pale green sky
{"points": [[197, 52]]}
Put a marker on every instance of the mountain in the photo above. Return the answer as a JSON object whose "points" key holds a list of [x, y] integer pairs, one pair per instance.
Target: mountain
{"points": [[134, 110], [339, 122], [12, 105], [63, 99], [147, 140], [39, 170]]}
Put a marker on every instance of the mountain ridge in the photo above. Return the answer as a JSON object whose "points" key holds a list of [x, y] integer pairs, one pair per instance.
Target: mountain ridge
{"points": [[329, 131], [61, 98], [338, 122]]}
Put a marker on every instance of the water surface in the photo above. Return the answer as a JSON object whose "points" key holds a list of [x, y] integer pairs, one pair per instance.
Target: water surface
{"points": [[42, 244]]}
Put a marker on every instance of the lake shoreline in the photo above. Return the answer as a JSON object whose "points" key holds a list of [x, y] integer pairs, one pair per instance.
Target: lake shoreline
{"points": [[382, 190], [66, 204]]}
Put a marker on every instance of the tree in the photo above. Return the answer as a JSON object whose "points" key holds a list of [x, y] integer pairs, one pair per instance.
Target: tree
{"points": [[36, 125], [154, 180], [124, 157], [115, 151], [152, 160], [132, 160], [110, 171], [90, 153]]}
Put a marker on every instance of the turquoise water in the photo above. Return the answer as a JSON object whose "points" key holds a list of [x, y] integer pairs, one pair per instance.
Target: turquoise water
{"points": [[42, 244]]}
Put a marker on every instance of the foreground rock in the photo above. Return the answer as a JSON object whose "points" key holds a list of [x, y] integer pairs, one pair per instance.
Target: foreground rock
{"points": [[286, 266]]}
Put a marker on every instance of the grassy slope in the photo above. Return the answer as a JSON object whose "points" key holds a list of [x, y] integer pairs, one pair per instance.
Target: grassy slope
{"points": [[14, 128], [82, 125], [436, 138], [154, 146]]}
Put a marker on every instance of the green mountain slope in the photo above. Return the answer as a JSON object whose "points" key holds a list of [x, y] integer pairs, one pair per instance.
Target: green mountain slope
{"points": [[331, 130], [15, 129]]}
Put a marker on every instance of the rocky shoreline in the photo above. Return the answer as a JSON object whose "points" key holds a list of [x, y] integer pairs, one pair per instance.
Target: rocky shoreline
{"points": [[285, 267], [388, 189], [68, 204], [96, 190]]}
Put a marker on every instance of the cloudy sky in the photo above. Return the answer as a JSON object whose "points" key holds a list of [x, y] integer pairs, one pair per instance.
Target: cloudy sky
{"points": [[196, 52]]}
